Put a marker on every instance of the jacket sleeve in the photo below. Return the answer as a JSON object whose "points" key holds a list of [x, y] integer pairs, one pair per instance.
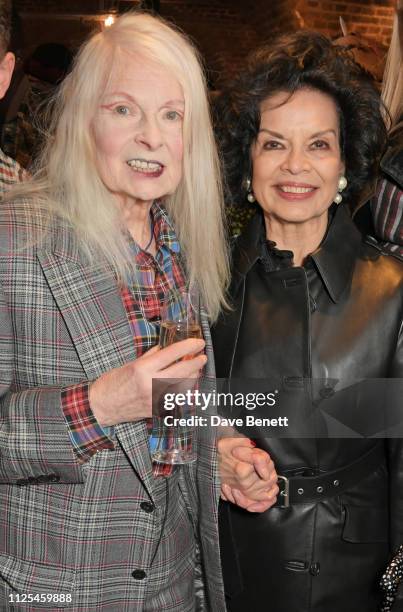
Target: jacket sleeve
{"points": [[387, 213], [35, 443]]}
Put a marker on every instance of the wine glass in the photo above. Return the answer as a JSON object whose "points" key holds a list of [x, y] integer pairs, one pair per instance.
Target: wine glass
{"points": [[172, 438]]}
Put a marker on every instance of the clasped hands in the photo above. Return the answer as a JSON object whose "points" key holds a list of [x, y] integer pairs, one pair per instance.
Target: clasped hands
{"points": [[248, 476]]}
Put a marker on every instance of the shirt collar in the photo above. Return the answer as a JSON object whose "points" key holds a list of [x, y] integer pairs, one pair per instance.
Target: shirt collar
{"points": [[163, 228], [334, 260], [164, 233]]}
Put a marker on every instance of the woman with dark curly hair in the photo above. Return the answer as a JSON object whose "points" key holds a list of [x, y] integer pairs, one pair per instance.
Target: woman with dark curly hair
{"points": [[301, 133]]}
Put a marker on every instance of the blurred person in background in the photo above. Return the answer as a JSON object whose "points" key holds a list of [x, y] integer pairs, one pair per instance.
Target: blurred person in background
{"points": [[387, 204], [10, 171], [24, 113]]}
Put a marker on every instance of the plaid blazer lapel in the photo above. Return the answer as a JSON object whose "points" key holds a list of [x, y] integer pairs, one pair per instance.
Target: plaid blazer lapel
{"points": [[90, 304]]}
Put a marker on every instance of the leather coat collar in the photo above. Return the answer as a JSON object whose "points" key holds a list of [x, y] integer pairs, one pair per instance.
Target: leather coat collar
{"points": [[334, 260]]}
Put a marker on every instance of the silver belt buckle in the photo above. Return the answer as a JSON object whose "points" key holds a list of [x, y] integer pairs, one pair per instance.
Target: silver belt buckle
{"points": [[284, 494]]}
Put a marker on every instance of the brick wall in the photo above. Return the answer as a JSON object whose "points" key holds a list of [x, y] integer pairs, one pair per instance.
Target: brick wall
{"points": [[374, 19], [224, 30]]}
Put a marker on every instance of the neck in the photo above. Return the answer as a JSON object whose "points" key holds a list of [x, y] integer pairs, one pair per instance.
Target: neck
{"points": [[300, 238], [136, 218]]}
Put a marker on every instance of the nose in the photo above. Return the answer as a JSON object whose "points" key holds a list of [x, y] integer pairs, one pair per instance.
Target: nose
{"points": [[149, 134], [295, 161]]}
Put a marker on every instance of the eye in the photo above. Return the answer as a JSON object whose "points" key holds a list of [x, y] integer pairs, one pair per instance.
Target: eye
{"points": [[320, 144], [173, 115], [121, 109], [272, 144]]}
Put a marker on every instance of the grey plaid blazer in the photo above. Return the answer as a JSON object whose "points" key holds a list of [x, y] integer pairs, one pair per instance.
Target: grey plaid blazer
{"points": [[61, 323]]}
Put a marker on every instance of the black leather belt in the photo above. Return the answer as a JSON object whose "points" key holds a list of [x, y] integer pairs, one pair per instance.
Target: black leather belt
{"points": [[305, 489]]}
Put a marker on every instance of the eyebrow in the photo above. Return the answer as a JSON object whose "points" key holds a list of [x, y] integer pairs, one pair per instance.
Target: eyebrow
{"points": [[122, 94], [175, 103], [281, 137]]}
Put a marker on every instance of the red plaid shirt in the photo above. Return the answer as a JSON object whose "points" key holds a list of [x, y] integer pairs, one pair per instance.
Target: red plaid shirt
{"points": [[142, 296], [10, 172]]}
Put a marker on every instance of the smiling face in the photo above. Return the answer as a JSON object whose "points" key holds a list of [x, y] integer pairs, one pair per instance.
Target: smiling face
{"points": [[296, 157], [137, 132]]}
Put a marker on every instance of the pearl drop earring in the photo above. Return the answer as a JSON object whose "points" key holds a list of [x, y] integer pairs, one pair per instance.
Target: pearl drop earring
{"points": [[249, 196], [342, 184]]}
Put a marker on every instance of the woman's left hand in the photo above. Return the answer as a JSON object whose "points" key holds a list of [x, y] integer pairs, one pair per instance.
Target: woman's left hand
{"points": [[248, 476]]}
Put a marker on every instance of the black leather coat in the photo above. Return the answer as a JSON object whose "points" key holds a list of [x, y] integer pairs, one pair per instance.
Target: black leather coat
{"points": [[338, 317]]}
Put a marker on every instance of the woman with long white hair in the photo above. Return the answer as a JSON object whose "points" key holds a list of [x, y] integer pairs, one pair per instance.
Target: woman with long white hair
{"points": [[123, 209]]}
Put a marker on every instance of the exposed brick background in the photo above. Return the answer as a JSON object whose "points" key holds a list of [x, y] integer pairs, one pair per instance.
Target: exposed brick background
{"points": [[374, 19], [224, 30]]}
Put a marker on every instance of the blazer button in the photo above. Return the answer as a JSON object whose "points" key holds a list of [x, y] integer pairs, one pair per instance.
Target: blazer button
{"points": [[314, 569], [53, 478], [139, 574], [147, 506]]}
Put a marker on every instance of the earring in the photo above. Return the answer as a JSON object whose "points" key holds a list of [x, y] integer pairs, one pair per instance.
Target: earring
{"points": [[342, 184], [249, 196]]}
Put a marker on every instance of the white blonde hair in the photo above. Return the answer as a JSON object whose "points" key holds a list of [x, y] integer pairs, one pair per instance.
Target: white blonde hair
{"points": [[68, 185], [392, 86]]}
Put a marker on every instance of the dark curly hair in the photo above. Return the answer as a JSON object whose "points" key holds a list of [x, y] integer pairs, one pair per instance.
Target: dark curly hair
{"points": [[292, 62]]}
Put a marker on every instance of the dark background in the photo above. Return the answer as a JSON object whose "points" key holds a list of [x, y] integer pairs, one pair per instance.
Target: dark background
{"points": [[224, 30]]}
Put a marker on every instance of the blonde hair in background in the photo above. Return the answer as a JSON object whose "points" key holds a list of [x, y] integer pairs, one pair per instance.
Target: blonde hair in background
{"points": [[392, 86], [66, 182]]}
